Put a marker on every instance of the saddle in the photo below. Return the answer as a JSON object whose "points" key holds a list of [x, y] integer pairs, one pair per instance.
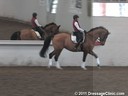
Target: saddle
{"points": [[74, 39], [37, 33], [78, 42]]}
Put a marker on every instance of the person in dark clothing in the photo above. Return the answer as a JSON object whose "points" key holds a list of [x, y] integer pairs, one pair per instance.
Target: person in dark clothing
{"points": [[36, 26], [78, 31]]}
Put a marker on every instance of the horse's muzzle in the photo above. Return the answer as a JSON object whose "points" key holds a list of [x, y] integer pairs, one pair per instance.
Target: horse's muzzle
{"points": [[102, 43]]}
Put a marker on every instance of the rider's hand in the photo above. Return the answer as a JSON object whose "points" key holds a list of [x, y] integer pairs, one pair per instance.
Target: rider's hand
{"points": [[85, 31]]}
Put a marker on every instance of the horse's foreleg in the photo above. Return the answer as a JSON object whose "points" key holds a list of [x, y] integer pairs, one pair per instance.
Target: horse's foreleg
{"points": [[56, 59], [84, 59], [97, 59]]}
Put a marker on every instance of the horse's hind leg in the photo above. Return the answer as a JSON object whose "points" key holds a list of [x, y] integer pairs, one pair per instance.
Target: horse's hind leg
{"points": [[57, 54], [84, 59], [50, 58]]}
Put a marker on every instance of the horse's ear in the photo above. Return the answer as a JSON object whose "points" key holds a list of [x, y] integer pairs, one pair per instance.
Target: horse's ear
{"points": [[58, 27], [109, 33]]}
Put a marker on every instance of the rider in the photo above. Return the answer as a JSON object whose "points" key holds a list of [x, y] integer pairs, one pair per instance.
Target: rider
{"points": [[78, 31], [35, 24]]}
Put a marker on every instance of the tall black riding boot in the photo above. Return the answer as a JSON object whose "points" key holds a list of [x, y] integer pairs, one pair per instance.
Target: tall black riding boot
{"points": [[77, 45]]}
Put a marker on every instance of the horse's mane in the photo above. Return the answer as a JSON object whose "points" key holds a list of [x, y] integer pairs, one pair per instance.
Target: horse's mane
{"points": [[52, 23], [91, 30]]}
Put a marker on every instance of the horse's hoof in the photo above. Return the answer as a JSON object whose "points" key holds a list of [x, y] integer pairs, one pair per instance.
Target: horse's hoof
{"points": [[43, 56], [49, 65], [83, 67], [99, 66], [59, 68]]}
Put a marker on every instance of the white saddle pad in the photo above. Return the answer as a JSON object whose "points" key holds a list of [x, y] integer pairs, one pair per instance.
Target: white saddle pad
{"points": [[73, 38], [37, 33]]}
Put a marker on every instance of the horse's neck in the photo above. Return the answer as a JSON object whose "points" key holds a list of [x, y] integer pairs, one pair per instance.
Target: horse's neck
{"points": [[93, 36]]}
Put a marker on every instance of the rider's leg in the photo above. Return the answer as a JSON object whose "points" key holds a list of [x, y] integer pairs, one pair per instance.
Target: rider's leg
{"points": [[79, 39]]}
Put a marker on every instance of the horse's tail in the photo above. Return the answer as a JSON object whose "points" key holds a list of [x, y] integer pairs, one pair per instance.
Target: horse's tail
{"points": [[15, 36], [46, 46]]}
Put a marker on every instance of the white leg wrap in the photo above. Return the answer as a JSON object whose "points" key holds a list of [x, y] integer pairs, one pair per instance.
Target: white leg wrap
{"points": [[83, 66], [98, 61], [58, 65], [50, 63]]}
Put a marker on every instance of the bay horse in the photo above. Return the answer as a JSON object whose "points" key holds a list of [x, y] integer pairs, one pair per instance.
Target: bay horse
{"points": [[30, 34], [63, 40]]}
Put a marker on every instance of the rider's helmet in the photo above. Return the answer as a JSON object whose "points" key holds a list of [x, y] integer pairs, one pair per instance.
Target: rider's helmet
{"points": [[75, 16], [34, 14]]}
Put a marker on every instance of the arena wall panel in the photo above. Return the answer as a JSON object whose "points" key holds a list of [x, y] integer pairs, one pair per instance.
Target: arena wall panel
{"points": [[26, 53]]}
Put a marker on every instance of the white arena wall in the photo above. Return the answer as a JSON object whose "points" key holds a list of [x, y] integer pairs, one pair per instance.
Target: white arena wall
{"points": [[26, 53]]}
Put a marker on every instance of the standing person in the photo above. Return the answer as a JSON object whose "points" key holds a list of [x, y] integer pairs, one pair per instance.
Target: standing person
{"points": [[35, 24], [78, 31]]}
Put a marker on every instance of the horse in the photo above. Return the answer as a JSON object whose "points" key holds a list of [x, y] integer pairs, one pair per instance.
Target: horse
{"points": [[63, 40], [30, 34]]}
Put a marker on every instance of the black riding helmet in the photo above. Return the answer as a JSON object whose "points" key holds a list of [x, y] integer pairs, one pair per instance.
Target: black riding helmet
{"points": [[34, 14], [75, 16]]}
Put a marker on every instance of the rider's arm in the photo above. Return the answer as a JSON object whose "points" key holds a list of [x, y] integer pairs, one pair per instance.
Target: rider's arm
{"points": [[78, 27], [37, 23]]}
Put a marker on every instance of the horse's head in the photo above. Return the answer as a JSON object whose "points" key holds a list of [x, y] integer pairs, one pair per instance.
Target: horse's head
{"points": [[51, 29], [99, 32], [103, 34]]}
